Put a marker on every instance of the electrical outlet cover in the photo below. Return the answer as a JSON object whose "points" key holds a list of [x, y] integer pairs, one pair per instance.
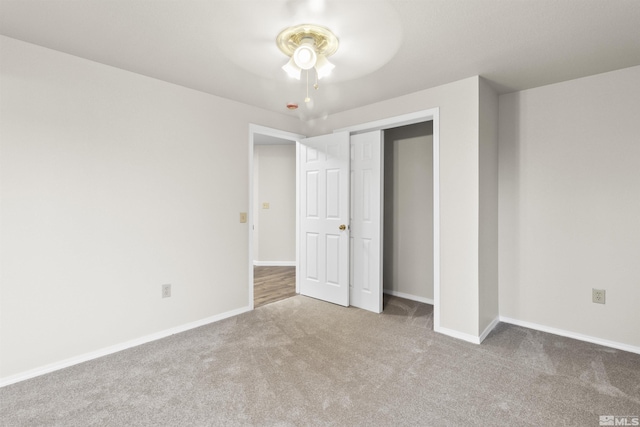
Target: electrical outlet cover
{"points": [[598, 296]]}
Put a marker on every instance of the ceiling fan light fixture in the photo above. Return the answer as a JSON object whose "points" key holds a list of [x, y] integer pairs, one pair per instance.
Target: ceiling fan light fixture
{"points": [[308, 46]]}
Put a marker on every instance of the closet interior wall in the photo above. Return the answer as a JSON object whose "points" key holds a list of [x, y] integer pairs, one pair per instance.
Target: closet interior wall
{"points": [[408, 211]]}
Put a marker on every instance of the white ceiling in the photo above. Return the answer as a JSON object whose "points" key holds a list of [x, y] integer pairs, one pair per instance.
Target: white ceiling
{"points": [[388, 48]]}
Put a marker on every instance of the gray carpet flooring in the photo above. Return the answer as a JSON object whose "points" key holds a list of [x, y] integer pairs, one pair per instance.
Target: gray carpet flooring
{"points": [[305, 362]]}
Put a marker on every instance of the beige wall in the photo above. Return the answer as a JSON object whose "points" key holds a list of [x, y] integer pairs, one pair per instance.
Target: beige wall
{"points": [[276, 185], [112, 185], [408, 210], [570, 205]]}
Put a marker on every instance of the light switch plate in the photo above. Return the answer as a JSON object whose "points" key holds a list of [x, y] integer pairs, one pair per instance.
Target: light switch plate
{"points": [[265, 205], [166, 291], [243, 217]]}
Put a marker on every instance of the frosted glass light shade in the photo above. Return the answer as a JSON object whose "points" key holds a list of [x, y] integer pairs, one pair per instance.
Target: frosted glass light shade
{"points": [[292, 69], [323, 66], [305, 56]]}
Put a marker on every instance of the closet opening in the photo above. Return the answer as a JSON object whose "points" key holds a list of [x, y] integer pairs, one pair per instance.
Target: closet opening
{"points": [[408, 233]]}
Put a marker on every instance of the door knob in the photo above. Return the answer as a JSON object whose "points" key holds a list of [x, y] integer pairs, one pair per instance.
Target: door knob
{"points": [[342, 227]]}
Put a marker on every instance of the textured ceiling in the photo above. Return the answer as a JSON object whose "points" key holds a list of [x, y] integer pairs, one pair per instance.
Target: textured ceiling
{"points": [[388, 48]]}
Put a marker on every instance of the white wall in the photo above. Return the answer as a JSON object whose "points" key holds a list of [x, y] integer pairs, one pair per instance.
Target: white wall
{"points": [[112, 185], [570, 205], [408, 210], [276, 185]]}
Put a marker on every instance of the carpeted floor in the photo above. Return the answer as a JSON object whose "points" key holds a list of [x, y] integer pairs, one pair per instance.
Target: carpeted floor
{"points": [[305, 362]]}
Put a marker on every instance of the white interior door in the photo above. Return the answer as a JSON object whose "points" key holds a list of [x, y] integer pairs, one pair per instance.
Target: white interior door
{"points": [[324, 216], [366, 221]]}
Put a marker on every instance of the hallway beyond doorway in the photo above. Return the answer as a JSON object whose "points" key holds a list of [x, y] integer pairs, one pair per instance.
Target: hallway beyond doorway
{"points": [[273, 283]]}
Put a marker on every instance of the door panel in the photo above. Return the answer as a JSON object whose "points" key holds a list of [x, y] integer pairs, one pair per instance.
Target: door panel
{"points": [[312, 256], [366, 221], [312, 194], [324, 186]]}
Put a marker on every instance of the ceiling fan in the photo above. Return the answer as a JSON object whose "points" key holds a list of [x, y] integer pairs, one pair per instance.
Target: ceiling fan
{"points": [[336, 40]]}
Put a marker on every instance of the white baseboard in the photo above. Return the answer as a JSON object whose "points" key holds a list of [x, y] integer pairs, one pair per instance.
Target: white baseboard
{"points": [[408, 296], [116, 348], [574, 335], [489, 328], [468, 337], [459, 335], [274, 263]]}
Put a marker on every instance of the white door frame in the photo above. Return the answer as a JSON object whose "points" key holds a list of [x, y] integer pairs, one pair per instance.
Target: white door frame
{"points": [[432, 114], [289, 136]]}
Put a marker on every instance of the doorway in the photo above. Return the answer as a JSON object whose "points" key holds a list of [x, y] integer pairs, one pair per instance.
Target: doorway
{"points": [[274, 234], [272, 215]]}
